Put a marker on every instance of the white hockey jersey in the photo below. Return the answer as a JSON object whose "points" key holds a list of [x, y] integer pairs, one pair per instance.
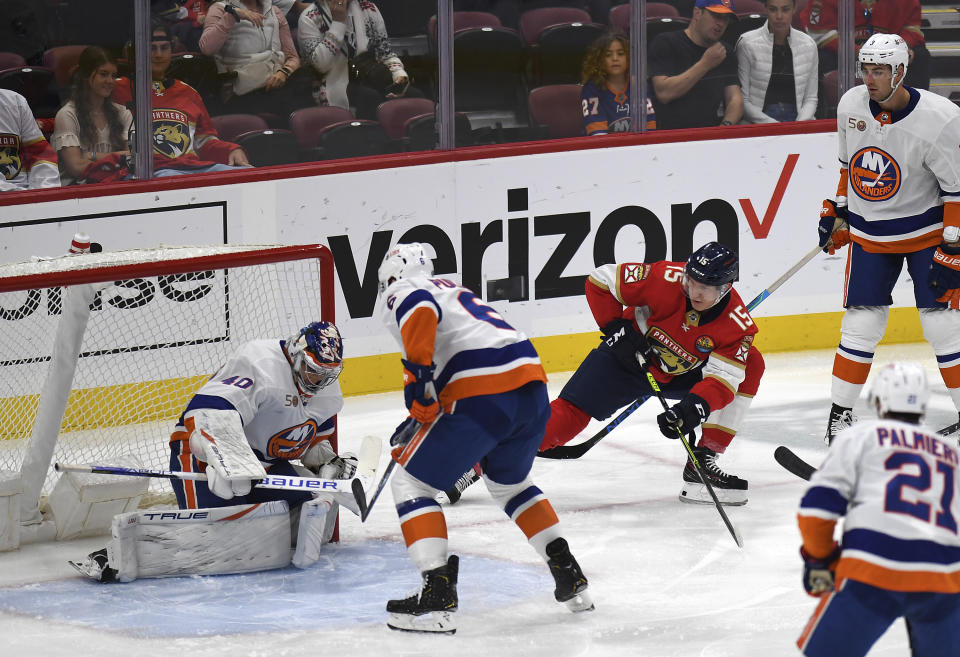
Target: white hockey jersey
{"points": [[898, 487], [26, 159], [901, 166], [257, 382], [475, 351]]}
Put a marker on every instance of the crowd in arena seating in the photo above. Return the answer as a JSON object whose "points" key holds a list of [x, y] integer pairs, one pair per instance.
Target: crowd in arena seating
{"points": [[294, 81]]}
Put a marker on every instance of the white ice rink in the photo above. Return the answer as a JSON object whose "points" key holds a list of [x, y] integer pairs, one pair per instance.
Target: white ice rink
{"points": [[666, 577]]}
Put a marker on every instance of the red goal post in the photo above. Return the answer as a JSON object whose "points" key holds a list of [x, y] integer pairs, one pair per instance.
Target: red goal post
{"points": [[100, 352]]}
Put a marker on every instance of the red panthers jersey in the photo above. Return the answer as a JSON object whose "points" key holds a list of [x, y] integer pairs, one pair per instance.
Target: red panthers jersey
{"points": [[716, 340]]}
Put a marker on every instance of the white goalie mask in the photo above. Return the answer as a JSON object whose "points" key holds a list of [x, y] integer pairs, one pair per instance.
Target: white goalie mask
{"points": [[316, 356], [404, 261], [900, 388], [888, 50]]}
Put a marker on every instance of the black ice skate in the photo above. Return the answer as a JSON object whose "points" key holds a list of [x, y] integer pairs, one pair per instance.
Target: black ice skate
{"points": [[840, 418], [432, 608], [731, 490], [95, 567], [469, 478], [571, 584]]}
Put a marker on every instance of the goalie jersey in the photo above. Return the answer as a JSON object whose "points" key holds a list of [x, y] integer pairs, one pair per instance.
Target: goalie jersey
{"points": [[898, 488], [901, 168], [475, 351], [257, 382], [715, 341]]}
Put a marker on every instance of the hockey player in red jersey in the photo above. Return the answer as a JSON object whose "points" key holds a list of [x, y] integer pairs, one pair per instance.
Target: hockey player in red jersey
{"points": [[184, 137], [687, 324], [477, 387], [898, 202], [894, 483]]}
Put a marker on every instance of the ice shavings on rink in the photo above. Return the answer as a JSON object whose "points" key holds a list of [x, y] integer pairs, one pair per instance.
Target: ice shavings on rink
{"points": [[349, 585]]}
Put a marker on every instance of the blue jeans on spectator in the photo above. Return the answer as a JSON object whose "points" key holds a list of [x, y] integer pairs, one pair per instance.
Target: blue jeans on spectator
{"points": [[781, 111]]}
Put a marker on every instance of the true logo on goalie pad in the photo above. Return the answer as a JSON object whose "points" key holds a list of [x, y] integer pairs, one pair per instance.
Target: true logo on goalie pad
{"points": [[176, 515]]}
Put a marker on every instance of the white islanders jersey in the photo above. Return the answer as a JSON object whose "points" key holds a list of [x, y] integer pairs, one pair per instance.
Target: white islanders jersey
{"points": [[902, 167], [898, 487], [475, 350], [257, 382]]}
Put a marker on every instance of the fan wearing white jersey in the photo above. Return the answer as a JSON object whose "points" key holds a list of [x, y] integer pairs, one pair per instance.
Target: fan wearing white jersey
{"points": [[476, 386], [897, 486], [898, 201], [271, 403]]}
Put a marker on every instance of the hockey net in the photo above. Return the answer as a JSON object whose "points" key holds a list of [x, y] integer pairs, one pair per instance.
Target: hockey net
{"points": [[100, 352]]}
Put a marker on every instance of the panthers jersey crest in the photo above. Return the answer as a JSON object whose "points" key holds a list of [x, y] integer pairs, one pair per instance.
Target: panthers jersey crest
{"points": [[171, 133], [10, 162]]}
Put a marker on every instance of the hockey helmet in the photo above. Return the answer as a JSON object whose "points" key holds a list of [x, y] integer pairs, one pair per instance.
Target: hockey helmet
{"points": [[316, 356], [404, 261], [712, 264], [900, 388], [888, 49]]}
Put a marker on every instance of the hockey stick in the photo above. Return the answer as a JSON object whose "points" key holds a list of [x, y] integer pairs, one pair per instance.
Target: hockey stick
{"points": [[696, 464], [796, 465], [277, 482], [578, 450], [365, 506]]}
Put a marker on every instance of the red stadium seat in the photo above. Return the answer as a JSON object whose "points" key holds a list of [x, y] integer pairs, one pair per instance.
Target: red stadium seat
{"points": [[620, 15], [11, 60], [393, 114], [557, 108], [62, 60], [269, 147], [307, 123], [231, 126]]}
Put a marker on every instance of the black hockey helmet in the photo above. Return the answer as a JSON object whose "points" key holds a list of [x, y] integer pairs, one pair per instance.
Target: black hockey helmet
{"points": [[713, 264]]}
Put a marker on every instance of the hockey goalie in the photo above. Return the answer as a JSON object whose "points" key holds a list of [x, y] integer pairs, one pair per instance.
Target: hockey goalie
{"points": [[271, 404]]}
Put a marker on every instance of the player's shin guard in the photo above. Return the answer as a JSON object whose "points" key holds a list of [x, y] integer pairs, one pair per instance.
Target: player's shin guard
{"points": [[566, 421], [860, 333], [941, 328], [422, 521]]}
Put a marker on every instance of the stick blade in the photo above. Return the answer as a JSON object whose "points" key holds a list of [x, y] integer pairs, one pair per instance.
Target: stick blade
{"points": [[360, 495], [793, 463]]}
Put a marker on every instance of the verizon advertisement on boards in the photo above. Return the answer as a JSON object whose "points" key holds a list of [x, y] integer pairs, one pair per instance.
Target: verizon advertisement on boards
{"points": [[522, 231]]}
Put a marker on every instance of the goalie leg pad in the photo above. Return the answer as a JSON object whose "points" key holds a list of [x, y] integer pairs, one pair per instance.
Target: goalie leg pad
{"points": [[318, 517], [216, 541]]}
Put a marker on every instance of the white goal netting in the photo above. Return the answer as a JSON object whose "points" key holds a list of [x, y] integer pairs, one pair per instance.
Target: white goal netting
{"points": [[158, 323]]}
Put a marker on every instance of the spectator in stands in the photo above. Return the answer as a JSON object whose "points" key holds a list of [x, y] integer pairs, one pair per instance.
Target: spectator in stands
{"points": [[819, 18], [188, 29], [184, 138], [778, 68], [334, 34], [509, 11], [605, 96], [90, 127], [252, 43], [694, 73], [292, 8], [26, 159]]}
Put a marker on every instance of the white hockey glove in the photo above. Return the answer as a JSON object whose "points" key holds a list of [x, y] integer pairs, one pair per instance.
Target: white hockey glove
{"points": [[218, 440], [325, 463]]}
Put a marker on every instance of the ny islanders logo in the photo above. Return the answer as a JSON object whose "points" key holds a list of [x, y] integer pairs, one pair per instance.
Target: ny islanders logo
{"points": [[10, 164], [171, 133], [874, 174]]}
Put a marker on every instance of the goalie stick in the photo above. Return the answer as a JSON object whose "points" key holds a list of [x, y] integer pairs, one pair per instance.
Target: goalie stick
{"points": [[797, 466], [578, 450], [402, 439], [366, 472]]}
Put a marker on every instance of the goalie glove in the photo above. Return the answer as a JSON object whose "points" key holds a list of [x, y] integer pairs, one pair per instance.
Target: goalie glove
{"points": [[834, 230], [322, 461], [944, 276], [418, 391], [683, 416], [629, 346], [818, 574]]}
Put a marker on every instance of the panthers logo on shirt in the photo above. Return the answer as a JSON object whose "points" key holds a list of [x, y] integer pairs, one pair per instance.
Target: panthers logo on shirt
{"points": [[10, 163], [171, 133], [874, 174]]}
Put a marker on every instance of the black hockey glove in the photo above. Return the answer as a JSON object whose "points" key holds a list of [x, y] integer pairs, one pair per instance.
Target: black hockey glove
{"points": [[818, 574], [944, 276], [683, 416], [630, 347], [404, 432]]}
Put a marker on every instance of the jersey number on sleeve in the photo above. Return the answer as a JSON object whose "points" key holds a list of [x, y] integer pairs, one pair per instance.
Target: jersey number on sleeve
{"points": [[921, 481]]}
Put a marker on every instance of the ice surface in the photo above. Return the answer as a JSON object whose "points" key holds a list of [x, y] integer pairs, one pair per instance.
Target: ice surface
{"points": [[667, 578]]}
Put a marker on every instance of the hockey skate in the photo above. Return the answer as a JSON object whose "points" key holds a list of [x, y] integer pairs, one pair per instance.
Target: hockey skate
{"points": [[468, 478], [840, 418], [95, 567], [571, 584], [731, 490], [432, 608]]}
